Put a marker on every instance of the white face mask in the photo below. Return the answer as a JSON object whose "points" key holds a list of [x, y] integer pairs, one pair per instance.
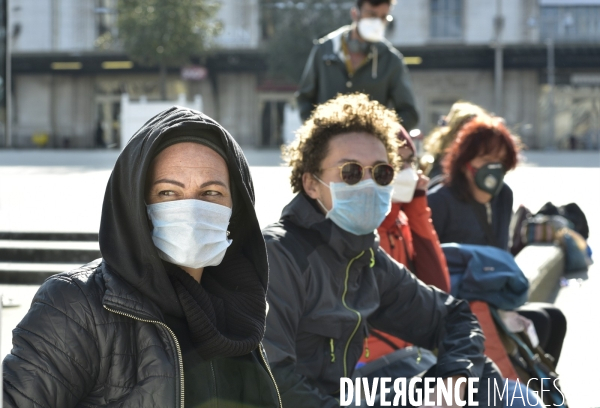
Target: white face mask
{"points": [[190, 233], [371, 29], [405, 184]]}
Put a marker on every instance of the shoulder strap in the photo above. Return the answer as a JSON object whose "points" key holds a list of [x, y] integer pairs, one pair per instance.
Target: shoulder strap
{"points": [[439, 179], [535, 367], [387, 341]]}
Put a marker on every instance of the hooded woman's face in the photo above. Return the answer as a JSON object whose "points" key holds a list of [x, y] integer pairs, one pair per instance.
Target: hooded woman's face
{"points": [[188, 171]]}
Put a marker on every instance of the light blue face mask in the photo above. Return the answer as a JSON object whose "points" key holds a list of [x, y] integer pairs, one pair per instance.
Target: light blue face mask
{"points": [[359, 208], [190, 233]]}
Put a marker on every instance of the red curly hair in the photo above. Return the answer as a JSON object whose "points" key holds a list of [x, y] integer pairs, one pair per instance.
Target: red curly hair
{"points": [[479, 137]]}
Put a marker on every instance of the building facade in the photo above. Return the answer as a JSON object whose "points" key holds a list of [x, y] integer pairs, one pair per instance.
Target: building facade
{"points": [[535, 62], [67, 84], [453, 43]]}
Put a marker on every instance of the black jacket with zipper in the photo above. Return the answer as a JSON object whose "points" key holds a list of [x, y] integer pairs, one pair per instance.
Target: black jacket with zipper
{"points": [[326, 285], [384, 77], [97, 337]]}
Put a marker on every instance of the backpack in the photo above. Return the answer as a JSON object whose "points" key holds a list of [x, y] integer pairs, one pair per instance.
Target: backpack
{"points": [[575, 248], [535, 368], [516, 244]]}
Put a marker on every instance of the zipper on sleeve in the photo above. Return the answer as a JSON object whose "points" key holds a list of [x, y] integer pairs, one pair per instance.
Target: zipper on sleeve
{"points": [[332, 350], [182, 400]]}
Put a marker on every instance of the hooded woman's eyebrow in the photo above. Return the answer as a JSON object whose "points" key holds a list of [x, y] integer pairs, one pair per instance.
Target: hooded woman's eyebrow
{"points": [[177, 183], [208, 183]]}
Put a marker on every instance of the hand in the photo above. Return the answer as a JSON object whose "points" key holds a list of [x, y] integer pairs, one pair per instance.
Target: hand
{"points": [[423, 181]]}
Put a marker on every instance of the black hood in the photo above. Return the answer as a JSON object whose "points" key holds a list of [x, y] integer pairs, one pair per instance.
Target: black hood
{"points": [[125, 234]]}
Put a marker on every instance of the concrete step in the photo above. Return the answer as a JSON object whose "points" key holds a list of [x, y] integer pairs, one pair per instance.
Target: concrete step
{"points": [[32, 273], [543, 266], [48, 251], [49, 236]]}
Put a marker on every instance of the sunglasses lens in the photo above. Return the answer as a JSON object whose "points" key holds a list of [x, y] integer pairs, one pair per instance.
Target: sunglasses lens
{"points": [[352, 173], [383, 174]]}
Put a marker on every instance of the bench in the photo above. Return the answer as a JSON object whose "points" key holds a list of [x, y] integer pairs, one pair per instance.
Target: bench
{"points": [[543, 266]]}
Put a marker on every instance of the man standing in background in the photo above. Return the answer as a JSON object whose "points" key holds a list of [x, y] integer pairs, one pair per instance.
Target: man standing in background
{"points": [[357, 58]]}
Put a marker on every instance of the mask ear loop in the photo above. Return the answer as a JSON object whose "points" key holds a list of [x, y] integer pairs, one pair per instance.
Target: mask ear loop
{"points": [[150, 225], [319, 201], [320, 181], [471, 169]]}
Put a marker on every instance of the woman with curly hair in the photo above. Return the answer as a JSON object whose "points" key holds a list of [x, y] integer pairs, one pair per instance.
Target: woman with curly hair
{"points": [[330, 280], [443, 135]]}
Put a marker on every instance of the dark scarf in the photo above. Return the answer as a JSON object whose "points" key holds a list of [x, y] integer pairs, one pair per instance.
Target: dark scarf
{"points": [[226, 312]]}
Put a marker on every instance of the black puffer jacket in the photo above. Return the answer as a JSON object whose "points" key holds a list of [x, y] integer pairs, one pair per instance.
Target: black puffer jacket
{"points": [[96, 337], [327, 286]]}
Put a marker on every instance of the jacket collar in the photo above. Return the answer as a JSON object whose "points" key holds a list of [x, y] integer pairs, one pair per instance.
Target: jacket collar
{"points": [[121, 297], [303, 212], [335, 42]]}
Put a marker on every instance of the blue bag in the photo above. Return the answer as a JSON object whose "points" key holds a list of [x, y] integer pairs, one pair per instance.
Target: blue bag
{"points": [[576, 258], [490, 274]]}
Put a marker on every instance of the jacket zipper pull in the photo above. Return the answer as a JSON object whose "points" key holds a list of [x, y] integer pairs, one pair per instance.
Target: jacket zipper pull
{"points": [[332, 350], [419, 355], [367, 352]]}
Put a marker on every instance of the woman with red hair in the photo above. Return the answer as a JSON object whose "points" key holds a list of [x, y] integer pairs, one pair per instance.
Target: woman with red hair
{"points": [[473, 205], [475, 165]]}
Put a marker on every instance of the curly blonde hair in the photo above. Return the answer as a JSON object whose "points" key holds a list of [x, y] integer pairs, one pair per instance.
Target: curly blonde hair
{"points": [[342, 114], [441, 137]]}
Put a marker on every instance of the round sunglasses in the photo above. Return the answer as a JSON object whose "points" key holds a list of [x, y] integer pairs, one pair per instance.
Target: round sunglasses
{"points": [[352, 173]]}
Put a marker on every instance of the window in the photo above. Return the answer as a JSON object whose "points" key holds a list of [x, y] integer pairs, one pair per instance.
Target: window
{"points": [[446, 19], [571, 24]]}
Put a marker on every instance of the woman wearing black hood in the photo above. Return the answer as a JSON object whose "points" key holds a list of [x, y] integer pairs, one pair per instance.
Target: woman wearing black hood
{"points": [[174, 312]]}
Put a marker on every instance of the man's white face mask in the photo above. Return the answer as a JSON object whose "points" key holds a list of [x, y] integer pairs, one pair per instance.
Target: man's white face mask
{"points": [[371, 29]]}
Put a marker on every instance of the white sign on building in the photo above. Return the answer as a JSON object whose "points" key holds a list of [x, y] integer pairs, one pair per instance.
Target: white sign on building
{"points": [[135, 114]]}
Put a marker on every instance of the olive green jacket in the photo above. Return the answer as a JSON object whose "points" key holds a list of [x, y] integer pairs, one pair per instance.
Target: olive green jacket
{"points": [[384, 77]]}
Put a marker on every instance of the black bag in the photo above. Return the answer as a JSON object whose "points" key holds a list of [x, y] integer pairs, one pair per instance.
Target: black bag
{"points": [[531, 363], [571, 212]]}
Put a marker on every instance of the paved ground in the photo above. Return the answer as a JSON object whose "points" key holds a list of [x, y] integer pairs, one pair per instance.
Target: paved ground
{"points": [[63, 190]]}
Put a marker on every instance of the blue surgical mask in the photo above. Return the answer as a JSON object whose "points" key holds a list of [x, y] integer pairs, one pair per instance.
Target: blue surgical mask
{"points": [[359, 208], [190, 233]]}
